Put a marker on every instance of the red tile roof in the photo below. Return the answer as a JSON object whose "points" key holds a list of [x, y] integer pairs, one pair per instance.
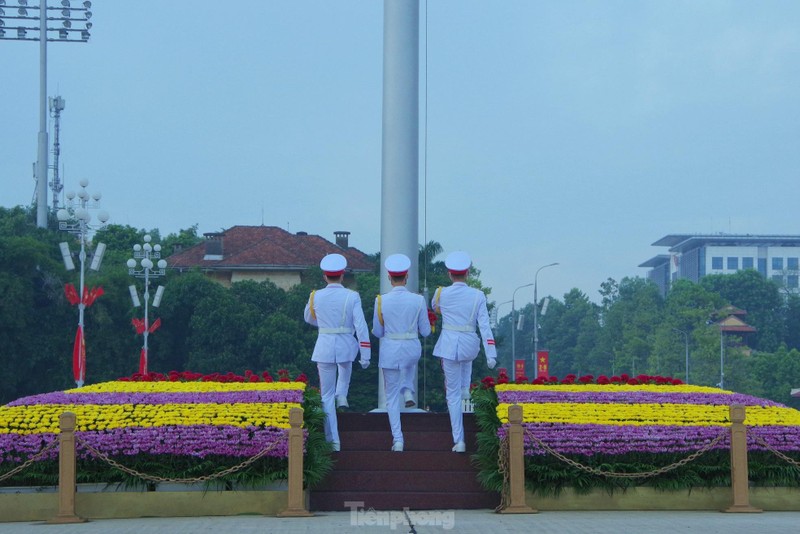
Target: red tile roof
{"points": [[268, 248]]}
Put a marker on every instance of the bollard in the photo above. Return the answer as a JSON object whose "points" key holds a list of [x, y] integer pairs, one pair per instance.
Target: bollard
{"points": [[739, 473], [66, 472], [516, 464], [296, 501]]}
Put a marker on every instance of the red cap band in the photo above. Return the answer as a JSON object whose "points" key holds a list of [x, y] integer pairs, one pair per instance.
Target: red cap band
{"points": [[334, 274], [458, 273], [397, 273]]}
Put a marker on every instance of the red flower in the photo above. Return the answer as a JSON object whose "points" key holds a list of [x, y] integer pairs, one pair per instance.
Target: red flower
{"points": [[586, 379], [521, 379], [488, 382], [603, 380], [302, 378]]}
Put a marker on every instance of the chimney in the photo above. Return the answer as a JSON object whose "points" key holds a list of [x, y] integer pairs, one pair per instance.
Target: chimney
{"points": [[213, 245], [342, 239]]}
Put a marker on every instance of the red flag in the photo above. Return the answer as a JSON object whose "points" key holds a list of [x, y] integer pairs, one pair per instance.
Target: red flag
{"points": [[71, 294], [138, 324], [143, 362], [79, 357], [89, 296], [155, 325]]}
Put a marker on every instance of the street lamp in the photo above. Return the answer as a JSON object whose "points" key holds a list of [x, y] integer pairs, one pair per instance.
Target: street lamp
{"points": [[686, 342], [146, 254], [535, 314], [75, 218], [514, 325], [22, 14]]}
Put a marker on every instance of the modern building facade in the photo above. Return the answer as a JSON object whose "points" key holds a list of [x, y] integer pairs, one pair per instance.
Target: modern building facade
{"points": [[692, 256]]}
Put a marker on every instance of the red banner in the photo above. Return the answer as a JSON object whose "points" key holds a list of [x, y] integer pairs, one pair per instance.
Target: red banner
{"points": [[79, 357], [519, 369], [542, 363], [143, 362]]}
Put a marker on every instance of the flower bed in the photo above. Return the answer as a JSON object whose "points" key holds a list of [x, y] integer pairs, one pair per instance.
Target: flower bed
{"points": [[632, 425], [172, 426]]}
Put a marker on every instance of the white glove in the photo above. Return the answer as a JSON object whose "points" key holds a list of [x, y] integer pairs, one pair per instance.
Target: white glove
{"points": [[364, 363], [491, 362]]}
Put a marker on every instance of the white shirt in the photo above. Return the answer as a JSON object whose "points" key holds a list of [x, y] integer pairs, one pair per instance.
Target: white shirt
{"points": [[405, 317], [340, 318], [463, 310]]}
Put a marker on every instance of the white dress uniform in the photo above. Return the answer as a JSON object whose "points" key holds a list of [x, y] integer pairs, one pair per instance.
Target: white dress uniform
{"points": [[463, 310], [343, 333], [399, 319]]}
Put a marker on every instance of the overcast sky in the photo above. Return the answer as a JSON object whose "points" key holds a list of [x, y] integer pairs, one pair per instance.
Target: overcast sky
{"points": [[576, 132]]}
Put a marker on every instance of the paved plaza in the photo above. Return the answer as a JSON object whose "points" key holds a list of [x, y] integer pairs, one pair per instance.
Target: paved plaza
{"points": [[457, 521]]}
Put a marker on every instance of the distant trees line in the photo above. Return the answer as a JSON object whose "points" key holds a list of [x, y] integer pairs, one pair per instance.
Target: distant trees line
{"points": [[209, 328]]}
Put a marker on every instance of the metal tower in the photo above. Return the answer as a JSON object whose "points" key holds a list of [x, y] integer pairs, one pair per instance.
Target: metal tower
{"points": [[56, 107]]}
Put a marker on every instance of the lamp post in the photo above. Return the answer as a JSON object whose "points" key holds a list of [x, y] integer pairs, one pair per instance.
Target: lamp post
{"points": [[496, 315], [25, 14], [686, 342], [146, 253], [721, 358], [75, 218], [514, 325], [535, 307]]}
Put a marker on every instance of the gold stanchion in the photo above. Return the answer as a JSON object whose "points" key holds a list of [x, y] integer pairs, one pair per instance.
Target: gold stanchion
{"points": [[66, 472], [516, 465], [739, 473], [297, 500]]}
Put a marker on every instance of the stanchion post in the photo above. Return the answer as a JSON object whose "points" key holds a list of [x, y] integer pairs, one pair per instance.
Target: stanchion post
{"points": [[296, 497], [516, 464], [739, 473], [66, 472]]}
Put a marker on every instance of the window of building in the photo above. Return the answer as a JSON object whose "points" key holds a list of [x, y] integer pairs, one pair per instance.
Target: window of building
{"points": [[762, 266], [792, 281], [778, 279], [777, 264], [792, 264], [733, 263], [747, 263], [716, 262]]}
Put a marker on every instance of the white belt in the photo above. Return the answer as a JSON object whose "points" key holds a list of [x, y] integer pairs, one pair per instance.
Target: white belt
{"points": [[341, 330], [402, 335], [459, 327]]}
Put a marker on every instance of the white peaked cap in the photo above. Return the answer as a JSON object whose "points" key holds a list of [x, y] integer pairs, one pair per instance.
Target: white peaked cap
{"points": [[458, 262], [333, 264], [397, 264]]}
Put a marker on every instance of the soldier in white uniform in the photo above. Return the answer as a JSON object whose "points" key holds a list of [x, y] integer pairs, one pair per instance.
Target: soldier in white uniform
{"points": [[399, 319], [337, 312], [463, 309]]}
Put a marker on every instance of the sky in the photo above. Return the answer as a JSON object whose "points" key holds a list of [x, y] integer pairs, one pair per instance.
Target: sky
{"points": [[576, 132]]}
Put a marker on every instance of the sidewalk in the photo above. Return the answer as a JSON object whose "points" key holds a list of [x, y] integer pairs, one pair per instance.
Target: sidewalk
{"points": [[457, 521]]}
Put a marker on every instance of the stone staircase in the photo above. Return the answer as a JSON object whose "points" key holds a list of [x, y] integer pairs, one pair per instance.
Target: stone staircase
{"points": [[426, 476]]}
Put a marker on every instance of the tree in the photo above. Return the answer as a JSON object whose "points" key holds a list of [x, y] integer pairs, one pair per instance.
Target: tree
{"points": [[759, 297]]}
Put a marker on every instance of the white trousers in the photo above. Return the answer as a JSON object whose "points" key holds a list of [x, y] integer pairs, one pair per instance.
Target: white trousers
{"points": [[395, 383], [456, 377], [329, 388]]}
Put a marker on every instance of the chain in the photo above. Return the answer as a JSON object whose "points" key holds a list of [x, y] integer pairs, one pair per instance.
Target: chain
{"points": [[502, 467], [153, 478], [776, 452], [611, 474], [30, 460]]}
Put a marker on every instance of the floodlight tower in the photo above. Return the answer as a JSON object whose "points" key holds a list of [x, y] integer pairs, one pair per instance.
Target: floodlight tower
{"points": [[20, 15]]}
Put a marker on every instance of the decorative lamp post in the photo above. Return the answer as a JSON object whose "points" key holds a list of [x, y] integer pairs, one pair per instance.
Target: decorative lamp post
{"points": [[686, 344], [535, 306], [514, 325], [146, 253], [21, 15], [75, 218]]}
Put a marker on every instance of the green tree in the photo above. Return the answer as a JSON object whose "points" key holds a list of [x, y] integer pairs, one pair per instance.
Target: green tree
{"points": [[759, 297]]}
